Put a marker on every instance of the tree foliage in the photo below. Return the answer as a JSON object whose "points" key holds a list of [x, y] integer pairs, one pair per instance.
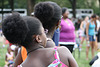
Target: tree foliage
{"points": [[80, 4]]}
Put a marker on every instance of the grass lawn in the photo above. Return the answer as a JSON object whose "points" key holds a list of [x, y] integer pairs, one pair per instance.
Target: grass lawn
{"points": [[82, 62], [2, 55]]}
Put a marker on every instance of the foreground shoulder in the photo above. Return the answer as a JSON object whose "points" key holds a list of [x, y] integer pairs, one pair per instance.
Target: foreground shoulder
{"points": [[63, 49]]}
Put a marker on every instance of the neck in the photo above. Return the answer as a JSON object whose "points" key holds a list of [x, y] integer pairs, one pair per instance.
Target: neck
{"points": [[65, 18], [50, 34], [92, 20], [33, 47]]}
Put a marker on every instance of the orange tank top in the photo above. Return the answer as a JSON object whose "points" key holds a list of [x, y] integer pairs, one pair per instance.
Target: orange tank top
{"points": [[23, 53]]}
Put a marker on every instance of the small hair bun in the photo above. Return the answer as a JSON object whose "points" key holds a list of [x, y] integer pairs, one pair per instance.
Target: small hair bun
{"points": [[44, 11], [14, 28]]}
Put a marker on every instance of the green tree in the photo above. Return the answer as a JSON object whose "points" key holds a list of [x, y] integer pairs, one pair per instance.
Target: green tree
{"points": [[31, 4], [20, 4], [73, 3], [6, 4], [77, 4]]}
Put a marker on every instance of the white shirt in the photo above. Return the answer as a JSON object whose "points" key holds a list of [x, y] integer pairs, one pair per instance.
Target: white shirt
{"points": [[98, 23]]}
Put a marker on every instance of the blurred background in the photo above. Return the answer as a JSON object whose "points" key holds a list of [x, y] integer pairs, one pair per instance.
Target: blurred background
{"points": [[78, 10]]}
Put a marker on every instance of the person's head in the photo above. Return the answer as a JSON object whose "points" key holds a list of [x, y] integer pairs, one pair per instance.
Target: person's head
{"points": [[86, 18], [8, 49], [93, 17], [23, 31], [97, 17], [49, 13], [65, 12]]}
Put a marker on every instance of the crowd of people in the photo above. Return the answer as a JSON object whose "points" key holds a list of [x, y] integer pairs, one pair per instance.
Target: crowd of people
{"points": [[47, 39]]}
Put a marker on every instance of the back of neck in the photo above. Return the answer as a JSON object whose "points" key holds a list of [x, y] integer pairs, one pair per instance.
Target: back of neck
{"points": [[34, 46], [50, 34]]}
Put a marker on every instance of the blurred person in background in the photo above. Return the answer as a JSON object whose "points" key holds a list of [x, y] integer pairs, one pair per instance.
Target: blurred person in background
{"points": [[83, 28], [98, 32], [95, 62], [67, 32], [90, 34], [96, 22], [56, 36], [9, 58]]}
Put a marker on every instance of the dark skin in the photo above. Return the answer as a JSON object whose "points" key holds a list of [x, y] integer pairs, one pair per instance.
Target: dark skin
{"points": [[65, 15], [45, 56], [16, 50], [19, 60], [42, 57], [49, 44]]}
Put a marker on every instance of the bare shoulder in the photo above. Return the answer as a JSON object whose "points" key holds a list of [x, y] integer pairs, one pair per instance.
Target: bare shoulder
{"points": [[64, 49], [50, 44], [64, 52], [66, 57]]}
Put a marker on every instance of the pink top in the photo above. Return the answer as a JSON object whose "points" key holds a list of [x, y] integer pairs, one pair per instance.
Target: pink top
{"points": [[67, 33], [10, 56], [57, 62]]}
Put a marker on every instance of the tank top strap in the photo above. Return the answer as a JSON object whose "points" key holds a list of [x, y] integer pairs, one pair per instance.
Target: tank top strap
{"points": [[90, 23], [56, 55]]}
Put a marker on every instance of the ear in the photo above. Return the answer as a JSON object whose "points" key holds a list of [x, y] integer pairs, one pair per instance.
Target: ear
{"points": [[38, 39]]}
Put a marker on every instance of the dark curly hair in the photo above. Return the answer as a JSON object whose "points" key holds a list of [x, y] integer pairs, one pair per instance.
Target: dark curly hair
{"points": [[49, 13], [93, 16], [64, 10], [34, 26], [19, 30]]}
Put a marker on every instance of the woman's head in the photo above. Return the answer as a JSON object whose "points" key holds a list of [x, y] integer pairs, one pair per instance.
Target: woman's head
{"points": [[36, 31], [93, 17], [86, 18], [23, 30], [49, 13], [97, 17], [65, 12]]}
